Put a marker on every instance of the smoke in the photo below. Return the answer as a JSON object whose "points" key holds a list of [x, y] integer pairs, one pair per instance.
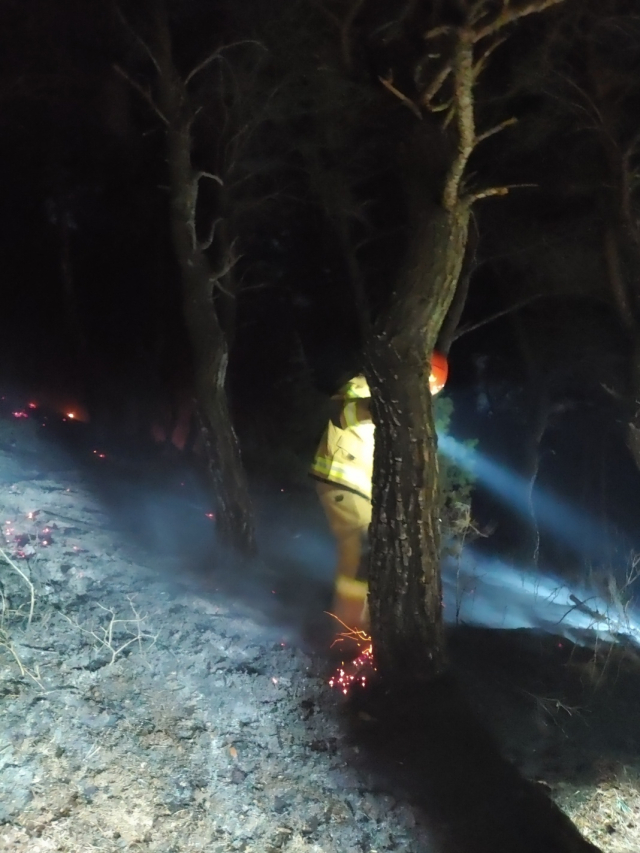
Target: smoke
{"points": [[573, 529], [492, 593]]}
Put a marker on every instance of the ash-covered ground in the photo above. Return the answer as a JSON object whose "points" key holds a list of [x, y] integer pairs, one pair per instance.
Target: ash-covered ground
{"points": [[156, 695]]}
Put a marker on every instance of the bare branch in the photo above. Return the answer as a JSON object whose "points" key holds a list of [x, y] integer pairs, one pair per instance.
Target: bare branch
{"points": [[230, 262], [490, 191], [202, 65], [437, 31], [443, 107], [450, 106], [415, 109], [617, 396], [198, 175], [217, 54], [509, 14], [144, 92], [464, 330], [193, 202], [436, 84], [463, 82], [139, 39], [509, 122], [206, 244], [465, 69], [494, 191], [478, 11], [345, 30], [481, 63], [591, 109]]}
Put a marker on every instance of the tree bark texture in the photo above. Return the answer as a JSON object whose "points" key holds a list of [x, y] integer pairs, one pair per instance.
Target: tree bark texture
{"points": [[209, 346], [406, 594], [627, 315]]}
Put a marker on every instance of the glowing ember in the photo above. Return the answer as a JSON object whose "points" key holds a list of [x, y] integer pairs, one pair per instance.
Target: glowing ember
{"points": [[354, 673], [357, 671], [20, 414]]}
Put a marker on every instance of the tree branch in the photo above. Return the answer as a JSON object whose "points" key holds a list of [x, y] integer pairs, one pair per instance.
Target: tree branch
{"points": [[216, 55], [477, 12], [345, 31], [446, 336], [198, 175], [206, 244], [230, 262], [436, 84], [464, 330], [492, 130], [437, 31], [509, 14], [202, 65], [494, 191], [481, 62], [463, 81], [415, 109], [142, 91], [465, 71], [139, 39]]}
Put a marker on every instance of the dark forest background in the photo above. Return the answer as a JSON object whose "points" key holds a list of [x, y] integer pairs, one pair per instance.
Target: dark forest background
{"points": [[292, 117]]}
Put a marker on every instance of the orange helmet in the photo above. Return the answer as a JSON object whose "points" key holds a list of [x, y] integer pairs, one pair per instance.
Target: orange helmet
{"points": [[439, 372]]}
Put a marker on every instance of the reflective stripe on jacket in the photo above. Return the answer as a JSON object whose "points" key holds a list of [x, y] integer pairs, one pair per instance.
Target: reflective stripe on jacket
{"points": [[345, 452]]}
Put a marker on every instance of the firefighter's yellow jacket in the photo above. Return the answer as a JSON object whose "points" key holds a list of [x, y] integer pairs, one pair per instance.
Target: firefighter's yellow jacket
{"points": [[345, 453]]}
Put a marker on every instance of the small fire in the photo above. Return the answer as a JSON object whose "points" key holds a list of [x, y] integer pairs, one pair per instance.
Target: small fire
{"points": [[354, 672], [357, 671]]}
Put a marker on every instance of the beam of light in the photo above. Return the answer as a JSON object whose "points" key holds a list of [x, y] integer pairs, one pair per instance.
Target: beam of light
{"points": [[494, 594], [574, 529]]}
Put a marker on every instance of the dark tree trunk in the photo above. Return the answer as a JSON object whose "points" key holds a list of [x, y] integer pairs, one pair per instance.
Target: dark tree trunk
{"points": [[538, 414], [627, 315], [633, 397], [406, 596], [451, 322], [209, 346]]}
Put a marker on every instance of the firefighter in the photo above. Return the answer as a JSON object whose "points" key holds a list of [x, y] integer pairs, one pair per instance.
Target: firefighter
{"points": [[343, 469]]}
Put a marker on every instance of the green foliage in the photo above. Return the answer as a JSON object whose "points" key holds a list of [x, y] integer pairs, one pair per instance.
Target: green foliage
{"points": [[456, 486]]}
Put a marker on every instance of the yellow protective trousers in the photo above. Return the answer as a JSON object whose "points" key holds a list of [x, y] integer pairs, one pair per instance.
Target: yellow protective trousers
{"points": [[349, 517]]}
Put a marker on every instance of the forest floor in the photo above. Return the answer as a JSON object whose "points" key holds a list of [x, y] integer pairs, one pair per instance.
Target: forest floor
{"points": [[157, 697]]}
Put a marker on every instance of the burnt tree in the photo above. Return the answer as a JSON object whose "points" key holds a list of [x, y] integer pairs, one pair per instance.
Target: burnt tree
{"points": [[438, 85], [202, 279]]}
